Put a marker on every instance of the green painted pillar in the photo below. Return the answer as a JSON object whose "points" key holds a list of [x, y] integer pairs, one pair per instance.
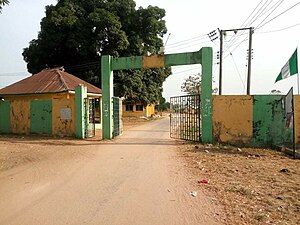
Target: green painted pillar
{"points": [[4, 117], [80, 95], [100, 111], [206, 95], [107, 94]]}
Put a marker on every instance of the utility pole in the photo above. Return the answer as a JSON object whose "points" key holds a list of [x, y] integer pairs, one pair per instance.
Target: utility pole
{"points": [[221, 61], [222, 32], [249, 61]]}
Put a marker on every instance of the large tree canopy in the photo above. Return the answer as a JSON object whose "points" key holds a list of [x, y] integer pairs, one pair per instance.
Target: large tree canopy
{"points": [[75, 33], [2, 3]]}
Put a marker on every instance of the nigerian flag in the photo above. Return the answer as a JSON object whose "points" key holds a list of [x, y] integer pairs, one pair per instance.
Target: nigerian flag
{"points": [[290, 68]]}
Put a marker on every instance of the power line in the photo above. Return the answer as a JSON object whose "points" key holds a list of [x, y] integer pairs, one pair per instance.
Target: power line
{"points": [[236, 67], [246, 71], [203, 36], [186, 46], [288, 9], [248, 18], [285, 28], [83, 65], [186, 71], [279, 3], [261, 11], [252, 20], [264, 10], [251, 13], [246, 38], [232, 43]]}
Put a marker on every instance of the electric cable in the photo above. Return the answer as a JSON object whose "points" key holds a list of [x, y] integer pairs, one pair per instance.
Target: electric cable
{"points": [[282, 29], [275, 17], [237, 69]]}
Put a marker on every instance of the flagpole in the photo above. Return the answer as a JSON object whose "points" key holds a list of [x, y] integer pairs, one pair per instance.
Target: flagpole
{"points": [[298, 75], [298, 82]]}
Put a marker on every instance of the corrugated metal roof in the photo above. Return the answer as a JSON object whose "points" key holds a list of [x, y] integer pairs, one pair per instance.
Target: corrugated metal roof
{"points": [[48, 81]]}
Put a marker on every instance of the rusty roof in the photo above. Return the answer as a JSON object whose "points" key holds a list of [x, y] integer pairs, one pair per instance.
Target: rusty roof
{"points": [[48, 81]]}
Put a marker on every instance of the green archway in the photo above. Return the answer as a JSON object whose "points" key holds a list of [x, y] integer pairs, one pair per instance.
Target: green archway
{"points": [[203, 57]]}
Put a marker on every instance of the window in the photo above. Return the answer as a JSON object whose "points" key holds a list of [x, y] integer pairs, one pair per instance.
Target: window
{"points": [[139, 107], [129, 107]]}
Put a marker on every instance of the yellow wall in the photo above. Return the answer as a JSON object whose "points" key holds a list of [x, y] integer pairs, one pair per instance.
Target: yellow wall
{"points": [[62, 127], [132, 113], [148, 111], [232, 118], [20, 112], [297, 118], [20, 116]]}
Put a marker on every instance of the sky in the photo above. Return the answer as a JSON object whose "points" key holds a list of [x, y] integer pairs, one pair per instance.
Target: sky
{"points": [[188, 23]]}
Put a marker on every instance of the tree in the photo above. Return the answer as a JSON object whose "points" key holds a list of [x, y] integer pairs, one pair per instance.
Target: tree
{"points": [[3, 3], [163, 105], [192, 85], [76, 33]]}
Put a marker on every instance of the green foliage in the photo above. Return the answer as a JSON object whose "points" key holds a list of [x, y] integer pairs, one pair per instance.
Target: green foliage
{"points": [[141, 85], [163, 105], [3, 3], [75, 33], [192, 85]]}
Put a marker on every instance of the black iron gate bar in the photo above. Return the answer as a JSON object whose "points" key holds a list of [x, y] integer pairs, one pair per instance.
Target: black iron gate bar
{"points": [[116, 116], [89, 117], [185, 117], [92, 122]]}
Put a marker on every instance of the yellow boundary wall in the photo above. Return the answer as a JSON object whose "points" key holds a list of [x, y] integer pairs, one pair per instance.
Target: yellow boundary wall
{"points": [[232, 118]]}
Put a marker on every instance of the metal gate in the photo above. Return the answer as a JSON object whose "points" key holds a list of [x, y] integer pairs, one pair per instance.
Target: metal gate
{"points": [[89, 117], [289, 142], [185, 119], [116, 117]]}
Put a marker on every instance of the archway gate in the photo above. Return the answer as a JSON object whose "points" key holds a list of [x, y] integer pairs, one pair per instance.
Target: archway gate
{"points": [[203, 57]]}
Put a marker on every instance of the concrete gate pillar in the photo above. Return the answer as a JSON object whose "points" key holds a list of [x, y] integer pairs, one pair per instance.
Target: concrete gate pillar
{"points": [[80, 95]]}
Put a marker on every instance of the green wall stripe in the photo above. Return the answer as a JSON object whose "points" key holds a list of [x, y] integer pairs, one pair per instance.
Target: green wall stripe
{"points": [[5, 117], [41, 117], [268, 121]]}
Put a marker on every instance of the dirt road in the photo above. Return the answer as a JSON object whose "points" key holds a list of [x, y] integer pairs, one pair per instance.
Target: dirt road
{"points": [[136, 179]]}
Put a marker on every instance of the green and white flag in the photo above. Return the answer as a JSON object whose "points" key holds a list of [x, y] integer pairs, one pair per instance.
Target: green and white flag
{"points": [[290, 68]]}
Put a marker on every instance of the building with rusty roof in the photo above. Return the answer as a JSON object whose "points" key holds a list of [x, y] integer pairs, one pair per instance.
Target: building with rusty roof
{"points": [[51, 102]]}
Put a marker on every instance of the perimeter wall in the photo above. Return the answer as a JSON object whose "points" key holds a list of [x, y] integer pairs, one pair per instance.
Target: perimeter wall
{"points": [[253, 120]]}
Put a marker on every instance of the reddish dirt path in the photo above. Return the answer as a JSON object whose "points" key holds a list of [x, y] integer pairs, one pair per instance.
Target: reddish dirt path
{"points": [[135, 179]]}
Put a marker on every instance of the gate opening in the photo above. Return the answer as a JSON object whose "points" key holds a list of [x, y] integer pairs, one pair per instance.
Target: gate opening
{"points": [[185, 118], [92, 117], [203, 57]]}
